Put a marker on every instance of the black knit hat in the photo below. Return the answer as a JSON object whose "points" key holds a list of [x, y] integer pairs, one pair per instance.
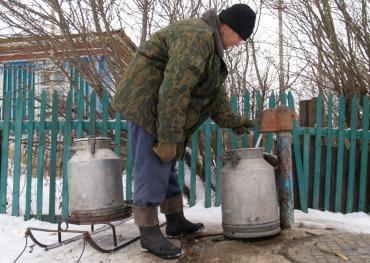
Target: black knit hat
{"points": [[240, 18]]}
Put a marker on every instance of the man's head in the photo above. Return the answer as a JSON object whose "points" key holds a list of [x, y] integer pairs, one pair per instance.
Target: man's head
{"points": [[237, 23]]}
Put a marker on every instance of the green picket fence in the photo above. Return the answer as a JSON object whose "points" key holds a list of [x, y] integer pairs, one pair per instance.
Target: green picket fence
{"points": [[20, 122], [345, 186], [319, 187]]}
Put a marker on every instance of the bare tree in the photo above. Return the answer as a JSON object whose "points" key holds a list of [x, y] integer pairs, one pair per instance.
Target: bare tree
{"points": [[70, 32], [332, 38]]}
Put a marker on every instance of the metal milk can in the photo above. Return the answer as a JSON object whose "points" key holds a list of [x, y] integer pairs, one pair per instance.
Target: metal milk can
{"points": [[249, 200], [95, 181]]}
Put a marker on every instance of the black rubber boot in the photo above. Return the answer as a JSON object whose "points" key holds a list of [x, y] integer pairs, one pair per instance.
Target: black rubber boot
{"points": [[178, 225], [151, 237], [153, 241]]}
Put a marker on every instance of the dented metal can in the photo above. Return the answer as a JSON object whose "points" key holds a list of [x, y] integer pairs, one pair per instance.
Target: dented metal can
{"points": [[249, 198], [95, 182]]}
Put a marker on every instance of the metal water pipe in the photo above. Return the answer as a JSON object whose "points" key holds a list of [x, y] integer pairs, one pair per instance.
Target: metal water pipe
{"points": [[279, 120]]}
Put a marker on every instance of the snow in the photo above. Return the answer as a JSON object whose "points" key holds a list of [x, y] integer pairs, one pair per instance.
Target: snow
{"points": [[12, 229], [352, 222]]}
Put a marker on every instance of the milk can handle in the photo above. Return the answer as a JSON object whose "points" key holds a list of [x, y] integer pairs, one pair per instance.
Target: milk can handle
{"points": [[233, 157], [92, 142]]}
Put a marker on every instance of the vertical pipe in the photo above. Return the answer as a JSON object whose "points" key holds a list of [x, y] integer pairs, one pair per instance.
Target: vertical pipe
{"points": [[285, 179]]}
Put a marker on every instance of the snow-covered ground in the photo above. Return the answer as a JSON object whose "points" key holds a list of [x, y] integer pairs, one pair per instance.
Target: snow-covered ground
{"points": [[12, 229]]}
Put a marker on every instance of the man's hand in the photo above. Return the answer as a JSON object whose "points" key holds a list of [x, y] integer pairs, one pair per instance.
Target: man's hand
{"points": [[165, 151], [243, 126]]}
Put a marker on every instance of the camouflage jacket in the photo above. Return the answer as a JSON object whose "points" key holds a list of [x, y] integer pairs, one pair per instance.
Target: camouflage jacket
{"points": [[174, 82]]}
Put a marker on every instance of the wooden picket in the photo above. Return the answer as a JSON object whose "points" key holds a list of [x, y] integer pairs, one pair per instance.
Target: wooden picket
{"points": [[208, 164], [268, 145], [316, 183], [329, 140], [17, 154], [298, 161], [30, 132], [53, 155], [66, 144], [40, 158], [323, 181], [340, 156], [193, 167], [352, 152], [364, 173]]}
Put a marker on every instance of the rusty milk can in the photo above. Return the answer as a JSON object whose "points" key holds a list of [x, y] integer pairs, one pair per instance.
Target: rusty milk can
{"points": [[249, 200]]}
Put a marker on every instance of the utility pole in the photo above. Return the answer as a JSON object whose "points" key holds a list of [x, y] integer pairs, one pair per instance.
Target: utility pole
{"points": [[144, 20], [52, 53], [281, 48]]}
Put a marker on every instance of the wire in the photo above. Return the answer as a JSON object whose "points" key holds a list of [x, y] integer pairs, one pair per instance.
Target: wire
{"points": [[83, 250], [22, 251]]}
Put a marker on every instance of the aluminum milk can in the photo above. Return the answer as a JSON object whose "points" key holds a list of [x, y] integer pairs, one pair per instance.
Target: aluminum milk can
{"points": [[249, 200], [95, 181]]}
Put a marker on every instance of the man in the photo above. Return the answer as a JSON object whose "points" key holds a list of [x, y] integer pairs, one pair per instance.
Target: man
{"points": [[173, 84]]}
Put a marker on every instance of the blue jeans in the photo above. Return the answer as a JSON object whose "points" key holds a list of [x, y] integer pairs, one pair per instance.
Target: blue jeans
{"points": [[154, 180]]}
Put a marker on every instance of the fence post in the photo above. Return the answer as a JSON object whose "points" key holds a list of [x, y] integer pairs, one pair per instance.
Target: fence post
{"points": [[280, 120], [307, 112], [285, 179]]}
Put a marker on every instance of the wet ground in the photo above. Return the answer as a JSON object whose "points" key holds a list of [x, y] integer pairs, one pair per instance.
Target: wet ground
{"points": [[300, 244], [294, 245]]}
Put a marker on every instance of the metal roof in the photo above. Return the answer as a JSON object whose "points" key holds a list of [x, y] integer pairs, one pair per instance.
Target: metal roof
{"points": [[29, 48]]}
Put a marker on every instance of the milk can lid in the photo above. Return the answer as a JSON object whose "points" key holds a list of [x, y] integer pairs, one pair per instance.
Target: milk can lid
{"points": [[92, 143], [93, 138], [247, 153]]}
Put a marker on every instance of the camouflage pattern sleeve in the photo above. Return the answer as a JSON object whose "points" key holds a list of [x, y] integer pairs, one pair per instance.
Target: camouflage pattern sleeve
{"points": [[222, 113], [187, 57]]}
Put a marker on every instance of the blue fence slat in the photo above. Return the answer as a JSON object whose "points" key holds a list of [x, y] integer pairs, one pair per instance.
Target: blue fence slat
{"points": [[66, 154], [329, 140], [298, 161], [92, 115], [30, 133], [105, 114], [53, 155], [219, 153], [340, 156], [193, 168], [117, 133], [352, 155], [268, 144], [207, 164], [257, 115], [4, 151], [128, 165], [306, 161], [316, 172], [246, 99], [17, 153], [234, 108], [364, 173], [80, 110], [40, 157]]}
